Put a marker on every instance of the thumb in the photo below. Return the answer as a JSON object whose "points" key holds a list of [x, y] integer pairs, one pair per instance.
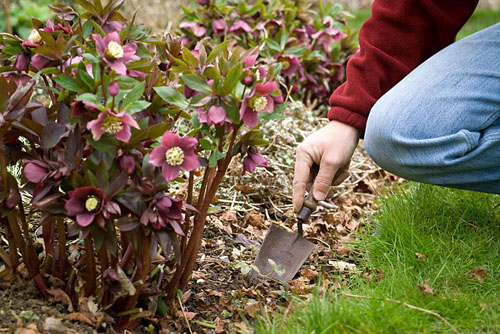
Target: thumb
{"points": [[323, 180]]}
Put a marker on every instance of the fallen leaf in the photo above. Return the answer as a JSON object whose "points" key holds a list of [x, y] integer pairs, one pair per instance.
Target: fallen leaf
{"points": [[251, 308], [420, 256], [125, 282], [77, 316], [219, 325], [425, 288], [478, 273], [55, 326], [244, 188], [61, 297], [255, 218], [30, 329], [186, 315], [242, 326], [343, 251], [341, 265]]}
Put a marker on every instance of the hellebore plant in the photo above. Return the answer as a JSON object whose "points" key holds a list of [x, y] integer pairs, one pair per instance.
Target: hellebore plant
{"points": [[309, 48], [106, 121]]}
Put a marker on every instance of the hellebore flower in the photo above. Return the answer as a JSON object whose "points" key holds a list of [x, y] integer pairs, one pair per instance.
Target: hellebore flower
{"points": [[215, 115], [50, 27], [127, 162], [81, 108], [250, 60], [113, 88], [22, 62], [197, 29], [174, 154], [35, 170], [240, 27], [258, 101], [85, 203], [112, 124], [219, 27], [202, 2], [165, 211], [113, 53], [327, 37], [34, 39], [38, 61], [112, 26], [18, 78], [252, 160], [290, 64]]}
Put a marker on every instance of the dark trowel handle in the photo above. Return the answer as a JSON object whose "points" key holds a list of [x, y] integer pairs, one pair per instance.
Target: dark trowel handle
{"points": [[307, 209]]}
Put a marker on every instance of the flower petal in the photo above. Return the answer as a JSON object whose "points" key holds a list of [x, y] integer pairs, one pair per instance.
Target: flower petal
{"points": [[266, 88], [118, 66], [190, 162], [169, 139], [127, 119], [74, 206], [157, 156], [170, 172], [124, 135], [85, 219]]}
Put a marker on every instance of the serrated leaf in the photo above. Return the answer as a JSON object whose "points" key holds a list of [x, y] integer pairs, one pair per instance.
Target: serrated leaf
{"points": [[170, 95], [132, 96], [69, 84], [216, 50], [232, 79], [196, 82]]}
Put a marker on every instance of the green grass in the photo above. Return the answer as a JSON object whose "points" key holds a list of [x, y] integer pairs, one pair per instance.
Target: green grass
{"points": [[481, 19], [456, 230]]}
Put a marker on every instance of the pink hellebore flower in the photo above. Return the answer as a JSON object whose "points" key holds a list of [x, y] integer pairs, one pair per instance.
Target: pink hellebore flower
{"points": [[112, 124], [127, 162], [174, 154], [113, 53], [112, 26], [50, 27], [252, 160], [34, 39], [35, 171], [258, 101], [327, 37], [197, 29], [219, 27], [215, 115], [290, 64], [38, 61], [81, 108], [240, 27], [22, 62], [85, 203]]}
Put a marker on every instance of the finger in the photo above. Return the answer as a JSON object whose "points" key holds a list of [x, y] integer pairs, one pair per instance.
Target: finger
{"points": [[301, 177], [327, 171]]}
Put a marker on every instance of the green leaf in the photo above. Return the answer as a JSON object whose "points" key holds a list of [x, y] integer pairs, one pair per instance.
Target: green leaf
{"points": [[297, 50], [85, 77], [137, 106], [88, 97], [68, 83], [232, 79], [172, 96], [214, 157], [215, 51], [206, 144], [196, 82], [87, 29], [188, 57], [101, 146], [132, 96]]}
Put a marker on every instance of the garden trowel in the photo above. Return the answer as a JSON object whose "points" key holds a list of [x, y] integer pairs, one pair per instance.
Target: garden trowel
{"points": [[282, 253]]}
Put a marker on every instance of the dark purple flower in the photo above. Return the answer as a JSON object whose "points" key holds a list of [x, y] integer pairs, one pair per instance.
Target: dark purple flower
{"points": [[85, 203], [327, 37], [35, 171], [240, 27], [215, 115], [259, 101], [50, 27], [127, 162], [202, 2], [112, 124], [197, 29], [38, 61], [18, 78], [113, 88], [164, 211], [112, 26], [219, 27], [252, 160], [81, 108], [290, 64], [22, 62], [174, 154], [113, 53]]}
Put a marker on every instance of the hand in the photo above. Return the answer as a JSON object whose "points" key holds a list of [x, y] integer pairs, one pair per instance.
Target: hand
{"points": [[330, 148]]}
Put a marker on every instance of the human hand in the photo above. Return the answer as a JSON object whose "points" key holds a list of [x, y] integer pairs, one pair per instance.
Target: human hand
{"points": [[330, 148]]}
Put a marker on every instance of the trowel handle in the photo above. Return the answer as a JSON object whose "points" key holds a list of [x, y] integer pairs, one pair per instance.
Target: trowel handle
{"points": [[307, 209]]}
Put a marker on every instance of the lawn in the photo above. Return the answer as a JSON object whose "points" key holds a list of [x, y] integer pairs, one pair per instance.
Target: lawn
{"points": [[430, 247], [428, 262]]}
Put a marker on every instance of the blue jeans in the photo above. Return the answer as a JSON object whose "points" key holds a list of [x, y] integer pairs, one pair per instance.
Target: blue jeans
{"points": [[441, 123]]}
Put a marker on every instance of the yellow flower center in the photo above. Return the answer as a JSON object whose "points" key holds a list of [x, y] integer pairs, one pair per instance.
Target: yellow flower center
{"points": [[92, 203], [112, 125], [285, 64], [258, 103], [114, 51], [174, 156], [34, 36]]}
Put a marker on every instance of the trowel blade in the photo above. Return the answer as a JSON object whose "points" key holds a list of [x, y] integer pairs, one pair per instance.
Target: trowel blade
{"points": [[287, 252]]}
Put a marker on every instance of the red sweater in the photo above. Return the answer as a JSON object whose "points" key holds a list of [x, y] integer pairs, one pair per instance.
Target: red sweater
{"points": [[400, 35]]}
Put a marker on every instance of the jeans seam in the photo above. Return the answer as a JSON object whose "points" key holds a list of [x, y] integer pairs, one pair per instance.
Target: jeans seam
{"points": [[490, 120], [471, 141], [491, 137]]}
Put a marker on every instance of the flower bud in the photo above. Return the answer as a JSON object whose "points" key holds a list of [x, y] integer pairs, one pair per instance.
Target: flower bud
{"points": [[202, 2], [113, 88], [247, 80]]}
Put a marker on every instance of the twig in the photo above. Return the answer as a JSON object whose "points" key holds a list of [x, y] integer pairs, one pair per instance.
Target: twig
{"points": [[184, 314], [407, 305]]}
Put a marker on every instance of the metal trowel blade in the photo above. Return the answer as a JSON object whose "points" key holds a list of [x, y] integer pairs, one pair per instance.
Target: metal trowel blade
{"points": [[287, 252]]}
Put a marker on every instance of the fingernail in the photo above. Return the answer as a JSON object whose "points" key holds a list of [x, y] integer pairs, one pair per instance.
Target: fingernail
{"points": [[319, 196]]}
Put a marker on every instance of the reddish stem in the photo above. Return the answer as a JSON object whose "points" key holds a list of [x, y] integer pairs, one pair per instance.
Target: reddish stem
{"points": [[61, 233], [91, 267]]}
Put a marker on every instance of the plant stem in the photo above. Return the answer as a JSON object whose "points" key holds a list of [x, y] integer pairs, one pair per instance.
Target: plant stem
{"points": [[91, 267], [61, 234], [8, 25]]}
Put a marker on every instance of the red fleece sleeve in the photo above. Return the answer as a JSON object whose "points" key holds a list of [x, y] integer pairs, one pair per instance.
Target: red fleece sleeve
{"points": [[400, 35]]}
